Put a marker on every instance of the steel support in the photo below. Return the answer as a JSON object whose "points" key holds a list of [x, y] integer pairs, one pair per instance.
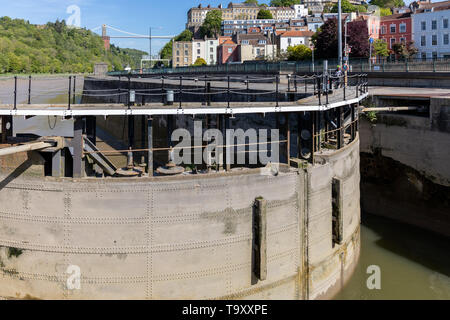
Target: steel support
{"points": [[340, 125], [57, 161], [150, 146], [78, 164]]}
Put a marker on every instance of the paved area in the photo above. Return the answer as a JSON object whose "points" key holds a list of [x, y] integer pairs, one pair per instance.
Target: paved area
{"points": [[410, 92]]}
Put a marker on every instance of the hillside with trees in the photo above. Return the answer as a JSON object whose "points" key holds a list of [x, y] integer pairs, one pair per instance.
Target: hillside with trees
{"points": [[57, 48]]}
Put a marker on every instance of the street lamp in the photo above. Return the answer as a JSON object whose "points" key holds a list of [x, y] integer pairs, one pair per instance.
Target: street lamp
{"points": [[312, 54], [340, 32]]}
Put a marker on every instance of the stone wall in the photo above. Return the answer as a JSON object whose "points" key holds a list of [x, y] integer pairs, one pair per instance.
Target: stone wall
{"points": [[405, 168]]}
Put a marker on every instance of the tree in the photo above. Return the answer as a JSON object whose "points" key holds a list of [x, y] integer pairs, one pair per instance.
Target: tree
{"points": [[326, 39], [283, 3], [405, 50], [251, 2], [199, 62], [299, 53], [385, 12], [358, 38], [327, 7], [388, 3], [264, 14], [166, 51], [347, 7], [380, 48], [212, 25]]}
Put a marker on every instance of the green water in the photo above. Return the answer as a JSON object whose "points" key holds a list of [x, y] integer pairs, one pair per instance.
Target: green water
{"points": [[415, 264]]}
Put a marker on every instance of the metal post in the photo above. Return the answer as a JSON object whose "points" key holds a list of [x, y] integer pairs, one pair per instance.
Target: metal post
{"points": [[353, 131], [130, 160], [129, 89], [74, 88], [227, 125], [340, 124], [181, 91], [29, 90], [78, 165], [15, 92], [57, 164], [150, 146], [277, 91], [248, 89], [340, 32], [70, 89], [357, 86], [229, 92], [288, 138], [119, 89], [289, 82], [162, 89]]}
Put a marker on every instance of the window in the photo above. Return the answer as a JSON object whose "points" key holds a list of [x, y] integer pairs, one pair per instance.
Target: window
{"points": [[402, 40], [178, 52], [403, 27], [198, 45], [423, 41], [434, 40], [244, 41], [198, 51], [211, 57], [185, 60], [262, 42], [445, 23], [230, 50], [423, 25], [211, 49], [392, 42], [289, 41], [434, 25], [186, 53], [424, 56], [178, 59], [446, 39], [383, 29], [393, 28]]}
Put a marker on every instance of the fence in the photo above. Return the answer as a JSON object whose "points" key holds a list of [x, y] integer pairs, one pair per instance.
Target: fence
{"points": [[356, 65]]}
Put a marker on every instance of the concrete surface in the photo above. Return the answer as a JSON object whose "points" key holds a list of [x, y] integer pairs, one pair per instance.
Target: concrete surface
{"points": [[176, 238]]}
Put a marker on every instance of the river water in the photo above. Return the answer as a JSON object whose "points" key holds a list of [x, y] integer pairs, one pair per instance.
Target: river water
{"points": [[414, 264]]}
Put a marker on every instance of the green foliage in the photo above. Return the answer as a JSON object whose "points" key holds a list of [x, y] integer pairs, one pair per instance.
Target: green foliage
{"points": [[264, 14], [371, 116], [283, 3], [380, 48], [385, 12], [186, 35], [251, 2], [347, 7], [405, 50], [199, 62], [388, 3], [166, 51], [212, 25], [299, 53], [361, 8], [56, 48]]}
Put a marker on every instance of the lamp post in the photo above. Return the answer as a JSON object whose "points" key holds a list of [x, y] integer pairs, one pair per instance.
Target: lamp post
{"points": [[312, 54], [340, 32]]}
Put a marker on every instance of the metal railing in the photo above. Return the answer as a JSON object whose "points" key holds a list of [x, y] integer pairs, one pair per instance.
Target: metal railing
{"points": [[355, 65]]}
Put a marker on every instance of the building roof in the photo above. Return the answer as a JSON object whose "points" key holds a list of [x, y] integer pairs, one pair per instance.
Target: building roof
{"points": [[295, 33], [423, 6], [228, 42], [396, 16], [252, 38]]}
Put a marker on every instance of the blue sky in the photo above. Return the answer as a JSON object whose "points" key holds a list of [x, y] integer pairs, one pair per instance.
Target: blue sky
{"points": [[165, 17]]}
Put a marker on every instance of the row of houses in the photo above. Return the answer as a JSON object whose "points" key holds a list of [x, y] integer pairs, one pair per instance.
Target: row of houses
{"points": [[249, 11], [424, 23], [237, 48]]}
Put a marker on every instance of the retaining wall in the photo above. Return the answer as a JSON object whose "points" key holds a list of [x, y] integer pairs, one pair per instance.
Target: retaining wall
{"points": [[176, 238]]}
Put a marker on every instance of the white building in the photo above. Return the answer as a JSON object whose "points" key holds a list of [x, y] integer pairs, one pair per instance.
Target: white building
{"points": [[211, 51], [431, 30], [198, 50], [300, 11], [294, 38], [279, 13]]}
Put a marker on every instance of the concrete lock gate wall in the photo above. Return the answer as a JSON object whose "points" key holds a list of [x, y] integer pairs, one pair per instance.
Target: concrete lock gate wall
{"points": [[178, 238]]}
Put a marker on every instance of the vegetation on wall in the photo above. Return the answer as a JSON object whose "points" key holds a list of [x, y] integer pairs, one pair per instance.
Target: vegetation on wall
{"points": [[264, 14], [56, 48]]}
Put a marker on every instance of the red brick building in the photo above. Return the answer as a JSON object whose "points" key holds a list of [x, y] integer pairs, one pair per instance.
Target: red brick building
{"points": [[396, 28], [227, 52]]}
